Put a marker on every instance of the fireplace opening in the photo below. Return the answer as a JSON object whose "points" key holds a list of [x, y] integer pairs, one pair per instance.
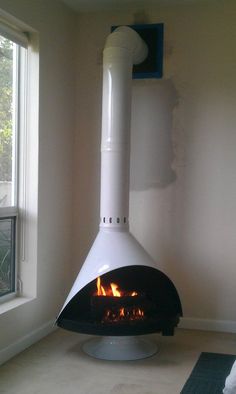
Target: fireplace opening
{"points": [[132, 300]]}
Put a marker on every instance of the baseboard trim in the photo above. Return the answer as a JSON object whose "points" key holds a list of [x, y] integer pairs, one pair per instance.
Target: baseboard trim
{"points": [[208, 325], [12, 350]]}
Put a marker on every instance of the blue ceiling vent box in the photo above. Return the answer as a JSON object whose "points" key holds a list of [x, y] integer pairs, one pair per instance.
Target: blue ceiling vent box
{"points": [[153, 35]]}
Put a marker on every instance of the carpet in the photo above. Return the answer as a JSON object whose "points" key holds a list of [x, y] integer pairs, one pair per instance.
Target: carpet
{"points": [[209, 374]]}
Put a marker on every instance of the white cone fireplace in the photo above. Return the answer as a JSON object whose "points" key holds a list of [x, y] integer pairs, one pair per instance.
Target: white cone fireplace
{"points": [[119, 293]]}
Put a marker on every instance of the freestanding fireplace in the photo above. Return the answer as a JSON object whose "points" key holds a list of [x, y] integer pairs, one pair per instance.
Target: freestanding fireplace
{"points": [[119, 293]]}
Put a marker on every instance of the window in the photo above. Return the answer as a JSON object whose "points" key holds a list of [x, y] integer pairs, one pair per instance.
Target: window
{"points": [[13, 89]]}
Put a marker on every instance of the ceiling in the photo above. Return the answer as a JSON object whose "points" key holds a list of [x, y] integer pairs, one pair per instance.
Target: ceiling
{"points": [[101, 5]]}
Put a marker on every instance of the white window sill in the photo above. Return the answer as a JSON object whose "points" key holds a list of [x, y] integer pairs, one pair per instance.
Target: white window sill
{"points": [[14, 303]]}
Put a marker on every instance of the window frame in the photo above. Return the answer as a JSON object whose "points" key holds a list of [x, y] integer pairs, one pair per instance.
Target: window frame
{"points": [[25, 194]]}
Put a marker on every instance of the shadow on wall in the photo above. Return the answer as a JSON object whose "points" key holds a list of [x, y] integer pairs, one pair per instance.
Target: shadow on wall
{"points": [[152, 155]]}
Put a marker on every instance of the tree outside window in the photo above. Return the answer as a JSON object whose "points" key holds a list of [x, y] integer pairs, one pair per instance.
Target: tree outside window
{"points": [[7, 225], [6, 111]]}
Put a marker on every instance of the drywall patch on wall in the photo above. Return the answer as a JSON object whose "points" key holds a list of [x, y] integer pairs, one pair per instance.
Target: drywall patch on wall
{"points": [[152, 151]]}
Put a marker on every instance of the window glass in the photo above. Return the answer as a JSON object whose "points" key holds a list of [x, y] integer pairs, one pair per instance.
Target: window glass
{"points": [[9, 99], [8, 92], [7, 256]]}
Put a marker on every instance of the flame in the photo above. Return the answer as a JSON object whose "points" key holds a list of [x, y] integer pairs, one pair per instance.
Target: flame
{"points": [[123, 314], [140, 312], [113, 290], [134, 293], [100, 289]]}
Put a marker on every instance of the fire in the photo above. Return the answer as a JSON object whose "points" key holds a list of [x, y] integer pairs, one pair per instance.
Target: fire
{"points": [[113, 290], [140, 312], [119, 311], [123, 314], [100, 289]]}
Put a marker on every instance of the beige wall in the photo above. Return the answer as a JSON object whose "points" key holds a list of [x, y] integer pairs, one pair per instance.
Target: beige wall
{"points": [[56, 27], [183, 173]]}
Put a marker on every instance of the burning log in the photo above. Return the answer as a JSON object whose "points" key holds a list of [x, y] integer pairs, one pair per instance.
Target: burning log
{"points": [[108, 308]]}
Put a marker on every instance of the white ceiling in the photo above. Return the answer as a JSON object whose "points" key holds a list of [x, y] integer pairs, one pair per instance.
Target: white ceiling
{"points": [[101, 5]]}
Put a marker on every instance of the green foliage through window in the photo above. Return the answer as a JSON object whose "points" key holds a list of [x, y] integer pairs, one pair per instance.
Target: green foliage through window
{"points": [[7, 271], [6, 108]]}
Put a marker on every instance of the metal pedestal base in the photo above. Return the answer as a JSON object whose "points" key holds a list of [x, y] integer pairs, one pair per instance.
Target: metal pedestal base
{"points": [[120, 348]]}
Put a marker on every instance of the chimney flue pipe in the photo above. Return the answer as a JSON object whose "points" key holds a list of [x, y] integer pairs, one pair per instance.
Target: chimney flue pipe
{"points": [[123, 48]]}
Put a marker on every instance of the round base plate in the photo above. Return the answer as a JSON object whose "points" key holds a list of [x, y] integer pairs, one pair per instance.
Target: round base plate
{"points": [[120, 348]]}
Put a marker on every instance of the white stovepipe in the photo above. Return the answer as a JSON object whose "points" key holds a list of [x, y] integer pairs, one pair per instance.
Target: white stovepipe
{"points": [[114, 247], [123, 48]]}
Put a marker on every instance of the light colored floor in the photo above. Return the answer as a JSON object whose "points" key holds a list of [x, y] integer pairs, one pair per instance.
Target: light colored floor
{"points": [[57, 365]]}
